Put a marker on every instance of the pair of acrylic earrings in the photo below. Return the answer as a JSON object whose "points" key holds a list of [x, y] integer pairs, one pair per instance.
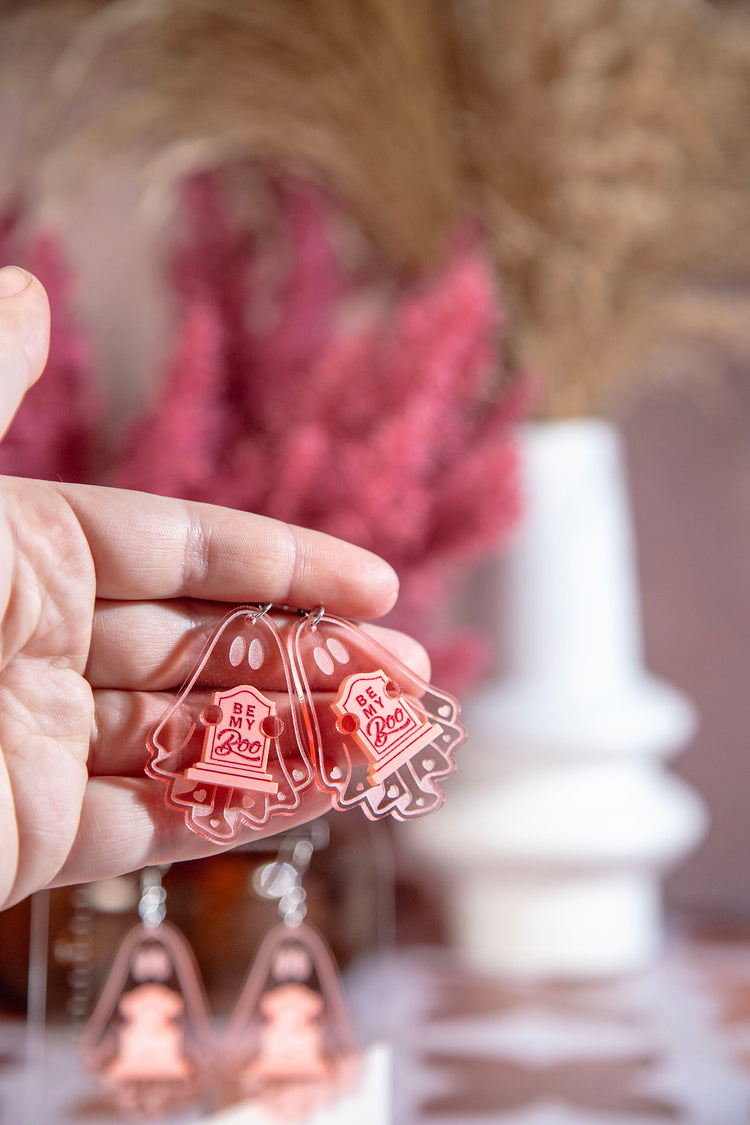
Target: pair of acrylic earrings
{"points": [[288, 1046], [280, 701]]}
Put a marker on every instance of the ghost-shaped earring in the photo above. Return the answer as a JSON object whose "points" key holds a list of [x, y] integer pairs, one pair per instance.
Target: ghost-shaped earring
{"points": [[279, 702], [289, 1044]]}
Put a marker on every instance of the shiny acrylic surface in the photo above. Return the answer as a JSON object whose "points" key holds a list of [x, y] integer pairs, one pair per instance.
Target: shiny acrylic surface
{"points": [[281, 702]]}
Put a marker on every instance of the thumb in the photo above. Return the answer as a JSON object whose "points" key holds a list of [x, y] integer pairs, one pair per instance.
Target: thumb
{"points": [[24, 338]]}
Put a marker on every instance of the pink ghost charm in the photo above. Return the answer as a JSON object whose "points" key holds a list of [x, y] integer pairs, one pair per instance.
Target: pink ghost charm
{"points": [[149, 1040], [289, 1043]]}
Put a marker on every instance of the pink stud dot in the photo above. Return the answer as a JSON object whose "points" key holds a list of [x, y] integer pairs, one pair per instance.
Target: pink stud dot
{"points": [[347, 724], [271, 726], [212, 715]]}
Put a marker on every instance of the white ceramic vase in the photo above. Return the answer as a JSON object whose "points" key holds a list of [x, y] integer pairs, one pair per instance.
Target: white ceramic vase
{"points": [[562, 818]]}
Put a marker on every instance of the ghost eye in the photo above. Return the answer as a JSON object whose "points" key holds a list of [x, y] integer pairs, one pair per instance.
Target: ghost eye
{"points": [[323, 660], [337, 650]]}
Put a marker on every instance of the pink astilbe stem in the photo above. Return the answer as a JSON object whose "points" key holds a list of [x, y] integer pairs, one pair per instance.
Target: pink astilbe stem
{"points": [[192, 419], [385, 427], [386, 431]]}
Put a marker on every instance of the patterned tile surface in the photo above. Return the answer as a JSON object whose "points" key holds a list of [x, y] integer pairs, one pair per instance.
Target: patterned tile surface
{"points": [[668, 1047]]}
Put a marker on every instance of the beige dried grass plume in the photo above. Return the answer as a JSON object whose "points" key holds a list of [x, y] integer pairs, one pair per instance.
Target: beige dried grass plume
{"points": [[603, 143]]}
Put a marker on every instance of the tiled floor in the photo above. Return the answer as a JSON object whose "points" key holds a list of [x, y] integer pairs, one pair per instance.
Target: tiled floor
{"points": [[669, 1047]]}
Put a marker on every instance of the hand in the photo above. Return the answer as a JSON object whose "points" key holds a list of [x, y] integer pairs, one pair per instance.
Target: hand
{"points": [[106, 597]]}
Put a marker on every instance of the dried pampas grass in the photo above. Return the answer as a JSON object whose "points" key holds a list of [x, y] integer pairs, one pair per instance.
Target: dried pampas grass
{"points": [[602, 144], [619, 191]]}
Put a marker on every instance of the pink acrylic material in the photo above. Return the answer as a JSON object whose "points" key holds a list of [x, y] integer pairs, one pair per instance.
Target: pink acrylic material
{"points": [[373, 710], [150, 1043], [236, 743], [228, 748], [291, 1036], [399, 740], [280, 702], [289, 1043], [149, 1039]]}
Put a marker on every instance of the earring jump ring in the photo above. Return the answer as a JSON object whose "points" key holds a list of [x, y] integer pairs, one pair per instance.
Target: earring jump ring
{"points": [[315, 616]]}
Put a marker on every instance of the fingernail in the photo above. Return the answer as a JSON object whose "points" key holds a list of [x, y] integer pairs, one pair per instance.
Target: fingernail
{"points": [[13, 280]]}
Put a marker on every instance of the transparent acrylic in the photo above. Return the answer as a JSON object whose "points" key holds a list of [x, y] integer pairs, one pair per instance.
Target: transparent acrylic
{"points": [[149, 1040], [289, 1045], [281, 702]]}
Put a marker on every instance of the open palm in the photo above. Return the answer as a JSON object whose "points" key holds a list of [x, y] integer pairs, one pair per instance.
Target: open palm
{"points": [[106, 597]]}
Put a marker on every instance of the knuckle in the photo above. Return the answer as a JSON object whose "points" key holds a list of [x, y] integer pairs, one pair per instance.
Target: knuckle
{"points": [[196, 558], [293, 556]]}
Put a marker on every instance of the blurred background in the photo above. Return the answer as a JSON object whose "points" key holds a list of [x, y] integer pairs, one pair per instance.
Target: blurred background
{"points": [[688, 464], [335, 262]]}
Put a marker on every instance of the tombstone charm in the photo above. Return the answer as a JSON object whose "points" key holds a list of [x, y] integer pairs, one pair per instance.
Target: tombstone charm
{"points": [[240, 724], [386, 737], [227, 749], [373, 710], [149, 1041]]}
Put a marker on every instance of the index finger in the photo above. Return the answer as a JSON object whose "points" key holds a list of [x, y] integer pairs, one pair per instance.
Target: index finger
{"points": [[148, 547]]}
